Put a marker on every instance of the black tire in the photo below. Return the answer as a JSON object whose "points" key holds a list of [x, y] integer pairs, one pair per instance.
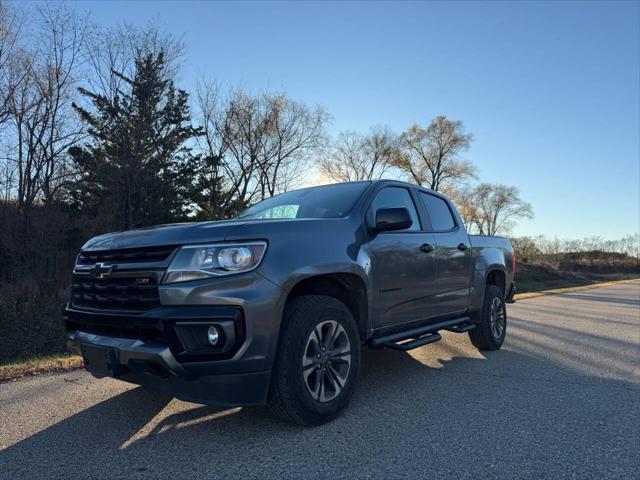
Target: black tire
{"points": [[290, 397], [487, 335]]}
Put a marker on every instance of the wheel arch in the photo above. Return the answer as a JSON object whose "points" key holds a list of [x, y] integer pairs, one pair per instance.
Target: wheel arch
{"points": [[491, 274], [497, 276], [347, 287]]}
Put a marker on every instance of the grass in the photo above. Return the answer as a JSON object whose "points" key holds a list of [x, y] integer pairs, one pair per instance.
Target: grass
{"points": [[535, 285], [25, 367]]}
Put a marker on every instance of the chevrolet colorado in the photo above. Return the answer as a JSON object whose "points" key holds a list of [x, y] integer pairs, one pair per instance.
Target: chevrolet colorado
{"points": [[275, 305]]}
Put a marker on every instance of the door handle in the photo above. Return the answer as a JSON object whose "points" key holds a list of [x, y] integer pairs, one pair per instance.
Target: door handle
{"points": [[427, 248], [462, 247]]}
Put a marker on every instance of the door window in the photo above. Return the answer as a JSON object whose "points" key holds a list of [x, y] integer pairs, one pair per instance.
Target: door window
{"points": [[439, 213], [394, 197]]}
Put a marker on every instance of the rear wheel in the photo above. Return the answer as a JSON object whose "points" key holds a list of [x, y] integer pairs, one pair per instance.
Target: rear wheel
{"points": [[317, 361], [491, 330]]}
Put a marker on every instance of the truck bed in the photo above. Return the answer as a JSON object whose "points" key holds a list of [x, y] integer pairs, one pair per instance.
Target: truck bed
{"points": [[487, 241]]}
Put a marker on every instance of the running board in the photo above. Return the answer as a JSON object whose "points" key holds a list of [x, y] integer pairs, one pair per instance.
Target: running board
{"points": [[463, 327], [417, 337], [418, 342]]}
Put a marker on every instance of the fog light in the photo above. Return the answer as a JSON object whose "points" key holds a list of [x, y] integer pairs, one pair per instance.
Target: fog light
{"points": [[212, 335]]}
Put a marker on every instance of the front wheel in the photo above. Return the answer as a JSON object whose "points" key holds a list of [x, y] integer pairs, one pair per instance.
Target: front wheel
{"points": [[490, 332], [317, 361]]}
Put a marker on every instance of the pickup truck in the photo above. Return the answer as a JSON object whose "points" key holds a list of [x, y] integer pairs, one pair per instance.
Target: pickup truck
{"points": [[274, 306]]}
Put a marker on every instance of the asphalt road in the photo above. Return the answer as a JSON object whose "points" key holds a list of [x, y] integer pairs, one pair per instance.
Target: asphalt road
{"points": [[560, 400]]}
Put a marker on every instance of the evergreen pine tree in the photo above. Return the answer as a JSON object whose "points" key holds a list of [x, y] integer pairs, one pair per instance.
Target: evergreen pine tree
{"points": [[136, 168], [212, 196]]}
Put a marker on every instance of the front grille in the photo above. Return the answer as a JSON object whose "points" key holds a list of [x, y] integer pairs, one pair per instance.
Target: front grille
{"points": [[116, 293], [130, 255]]}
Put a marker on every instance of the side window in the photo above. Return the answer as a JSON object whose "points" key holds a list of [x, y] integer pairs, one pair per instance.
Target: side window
{"points": [[439, 213], [393, 197]]}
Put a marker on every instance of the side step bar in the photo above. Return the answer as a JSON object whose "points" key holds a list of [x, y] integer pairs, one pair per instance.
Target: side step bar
{"points": [[463, 327], [421, 335], [418, 342]]}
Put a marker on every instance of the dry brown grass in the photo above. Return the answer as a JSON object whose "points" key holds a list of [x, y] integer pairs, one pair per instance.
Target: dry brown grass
{"points": [[39, 365]]}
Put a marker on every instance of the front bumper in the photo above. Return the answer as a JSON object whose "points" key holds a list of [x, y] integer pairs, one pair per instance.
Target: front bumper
{"points": [[155, 348], [153, 365]]}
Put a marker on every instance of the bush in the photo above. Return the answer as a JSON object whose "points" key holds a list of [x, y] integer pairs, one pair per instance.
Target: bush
{"points": [[30, 320], [37, 249]]}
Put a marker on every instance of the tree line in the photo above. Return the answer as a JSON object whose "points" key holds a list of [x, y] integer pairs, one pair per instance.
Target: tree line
{"points": [[592, 254]]}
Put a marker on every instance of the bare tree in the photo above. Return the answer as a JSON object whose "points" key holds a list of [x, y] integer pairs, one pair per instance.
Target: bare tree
{"points": [[62, 50], [11, 23], [223, 184], [431, 155], [631, 246], [527, 249], [496, 208], [41, 124], [293, 133], [115, 50], [463, 198], [10, 26], [353, 156], [245, 125], [253, 146]]}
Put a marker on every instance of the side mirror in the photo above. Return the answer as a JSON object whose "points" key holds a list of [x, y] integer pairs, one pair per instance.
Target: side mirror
{"points": [[388, 219]]}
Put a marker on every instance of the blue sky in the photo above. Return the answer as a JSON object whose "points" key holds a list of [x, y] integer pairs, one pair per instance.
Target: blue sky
{"points": [[550, 90]]}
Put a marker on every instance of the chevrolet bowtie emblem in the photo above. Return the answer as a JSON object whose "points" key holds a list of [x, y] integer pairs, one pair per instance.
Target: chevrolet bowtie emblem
{"points": [[102, 270]]}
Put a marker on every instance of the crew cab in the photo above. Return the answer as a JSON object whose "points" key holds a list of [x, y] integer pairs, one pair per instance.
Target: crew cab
{"points": [[274, 306]]}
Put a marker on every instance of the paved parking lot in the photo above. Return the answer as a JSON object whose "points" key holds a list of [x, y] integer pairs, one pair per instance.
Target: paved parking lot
{"points": [[560, 400]]}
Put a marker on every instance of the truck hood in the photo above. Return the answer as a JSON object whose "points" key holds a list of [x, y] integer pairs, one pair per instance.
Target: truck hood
{"points": [[201, 232], [174, 234]]}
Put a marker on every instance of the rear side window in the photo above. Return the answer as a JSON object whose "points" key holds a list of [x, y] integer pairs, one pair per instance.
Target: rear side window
{"points": [[393, 197], [439, 213]]}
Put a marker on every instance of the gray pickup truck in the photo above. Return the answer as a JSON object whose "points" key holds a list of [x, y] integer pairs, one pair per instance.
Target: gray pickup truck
{"points": [[274, 306]]}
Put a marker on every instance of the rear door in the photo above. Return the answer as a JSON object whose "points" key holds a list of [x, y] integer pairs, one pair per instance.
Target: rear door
{"points": [[403, 267], [453, 255]]}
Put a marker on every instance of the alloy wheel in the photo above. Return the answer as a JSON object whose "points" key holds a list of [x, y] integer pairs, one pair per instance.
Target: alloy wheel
{"points": [[498, 318], [326, 361]]}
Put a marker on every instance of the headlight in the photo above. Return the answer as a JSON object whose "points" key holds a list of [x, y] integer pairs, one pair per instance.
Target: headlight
{"points": [[194, 262]]}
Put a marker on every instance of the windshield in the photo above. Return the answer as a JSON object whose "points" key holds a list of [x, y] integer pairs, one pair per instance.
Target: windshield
{"points": [[326, 201]]}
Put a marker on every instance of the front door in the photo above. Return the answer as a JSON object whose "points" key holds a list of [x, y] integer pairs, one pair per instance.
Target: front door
{"points": [[403, 265]]}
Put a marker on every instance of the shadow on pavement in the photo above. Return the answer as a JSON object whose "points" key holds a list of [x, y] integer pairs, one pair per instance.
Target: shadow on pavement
{"points": [[435, 414], [600, 298]]}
